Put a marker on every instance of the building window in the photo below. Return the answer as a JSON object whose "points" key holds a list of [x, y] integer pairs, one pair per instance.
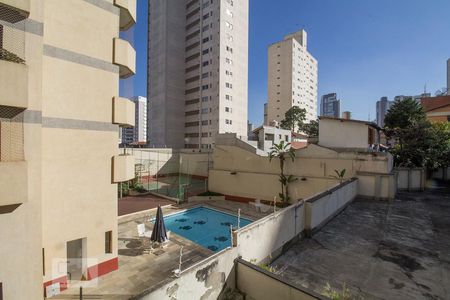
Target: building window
{"points": [[205, 87], [108, 242], [229, 122], [229, 97], [206, 51], [229, 25], [228, 61], [205, 63], [229, 49], [43, 264], [205, 110], [205, 122], [205, 16], [228, 109], [205, 99], [205, 40]]}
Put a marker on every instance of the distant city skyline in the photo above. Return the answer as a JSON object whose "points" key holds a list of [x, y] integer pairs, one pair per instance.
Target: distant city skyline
{"points": [[364, 50]]}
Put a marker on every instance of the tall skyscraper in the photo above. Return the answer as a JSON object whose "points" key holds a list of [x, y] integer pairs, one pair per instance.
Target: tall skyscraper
{"points": [[138, 133], [198, 71], [330, 106], [292, 77], [383, 106]]}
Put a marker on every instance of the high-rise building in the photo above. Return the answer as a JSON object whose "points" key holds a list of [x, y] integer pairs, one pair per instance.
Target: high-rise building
{"points": [[292, 77], [60, 64], [197, 71], [330, 106], [138, 133], [383, 106]]}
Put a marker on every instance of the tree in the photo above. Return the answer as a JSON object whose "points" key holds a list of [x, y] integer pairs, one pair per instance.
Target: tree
{"points": [[420, 143], [294, 118], [283, 151], [311, 128]]}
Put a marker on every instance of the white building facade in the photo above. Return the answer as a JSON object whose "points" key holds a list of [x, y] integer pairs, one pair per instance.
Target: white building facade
{"points": [[292, 78], [197, 71], [138, 133]]}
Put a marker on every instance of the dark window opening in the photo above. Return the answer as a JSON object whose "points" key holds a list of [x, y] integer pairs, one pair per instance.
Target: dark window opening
{"points": [[108, 242]]}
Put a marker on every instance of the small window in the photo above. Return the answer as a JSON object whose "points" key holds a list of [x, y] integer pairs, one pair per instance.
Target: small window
{"points": [[108, 242]]}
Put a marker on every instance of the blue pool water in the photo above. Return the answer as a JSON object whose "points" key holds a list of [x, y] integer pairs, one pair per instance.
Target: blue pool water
{"points": [[207, 227]]}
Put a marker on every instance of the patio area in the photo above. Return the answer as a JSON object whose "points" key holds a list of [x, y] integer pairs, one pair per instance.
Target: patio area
{"points": [[140, 271]]}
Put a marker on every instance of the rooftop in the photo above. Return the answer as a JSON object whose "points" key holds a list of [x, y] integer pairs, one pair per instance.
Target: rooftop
{"points": [[433, 103], [379, 250]]}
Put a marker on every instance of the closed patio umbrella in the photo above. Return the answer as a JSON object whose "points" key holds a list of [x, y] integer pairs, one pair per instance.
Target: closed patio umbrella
{"points": [[159, 233]]}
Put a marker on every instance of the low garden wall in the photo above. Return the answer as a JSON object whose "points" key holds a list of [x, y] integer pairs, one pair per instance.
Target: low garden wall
{"points": [[275, 231], [204, 280], [260, 284], [411, 179], [320, 208]]}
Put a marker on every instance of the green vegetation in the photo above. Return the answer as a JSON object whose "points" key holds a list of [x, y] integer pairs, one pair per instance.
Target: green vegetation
{"points": [[311, 129], [418, 142], [283, 151], [339, 175], [333, 294], [264, 266], [294, 119]]}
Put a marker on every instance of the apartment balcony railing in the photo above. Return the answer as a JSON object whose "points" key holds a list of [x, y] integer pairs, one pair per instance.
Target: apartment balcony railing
{"points": [[123, 112], [127, 13], [14, 10], [124, 57], [123, 168], [13, 71]]}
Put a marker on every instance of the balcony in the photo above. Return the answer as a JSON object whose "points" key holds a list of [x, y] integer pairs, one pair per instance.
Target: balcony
{"points": [[123, 112], [127, 13], [13, 11], [123, 168], [13, 84], [124, 57], [13, 185]]}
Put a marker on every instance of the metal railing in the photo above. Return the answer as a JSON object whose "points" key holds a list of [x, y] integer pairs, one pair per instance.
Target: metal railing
{"points": [[12, 38]]}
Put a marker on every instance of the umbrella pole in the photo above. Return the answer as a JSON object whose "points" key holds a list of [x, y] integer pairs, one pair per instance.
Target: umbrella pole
{"points": [[181, 255]]}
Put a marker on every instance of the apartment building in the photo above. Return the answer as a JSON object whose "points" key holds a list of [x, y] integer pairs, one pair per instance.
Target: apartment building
{"points": [[60, 65], [330, 106], [292, 77], [197, 71], [382, 107], [138, 134]]}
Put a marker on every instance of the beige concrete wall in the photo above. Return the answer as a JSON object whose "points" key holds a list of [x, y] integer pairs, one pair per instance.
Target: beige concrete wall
{"points": [[20, 230], [257, 177], [324, 206], [261, 285], [356, 134], [377, 186], [410, 179], [204, 280], [270, 233]]}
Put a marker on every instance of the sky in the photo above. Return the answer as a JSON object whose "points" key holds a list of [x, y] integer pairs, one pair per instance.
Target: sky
{"points": [[366, 49]]}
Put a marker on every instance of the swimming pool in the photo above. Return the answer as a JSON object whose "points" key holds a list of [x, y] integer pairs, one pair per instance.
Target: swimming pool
{"points": [[207, 227]]}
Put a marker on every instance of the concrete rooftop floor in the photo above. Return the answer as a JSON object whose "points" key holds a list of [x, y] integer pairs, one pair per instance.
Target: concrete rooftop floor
{"points": [[379, 250], [141, 272]]}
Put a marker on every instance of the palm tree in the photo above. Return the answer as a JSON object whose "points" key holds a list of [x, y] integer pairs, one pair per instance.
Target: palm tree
{"points": [[283, 151]]}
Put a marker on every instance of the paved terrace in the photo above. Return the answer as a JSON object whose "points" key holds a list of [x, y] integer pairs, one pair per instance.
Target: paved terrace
{"points": [[141, 272], [379, 250]]}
